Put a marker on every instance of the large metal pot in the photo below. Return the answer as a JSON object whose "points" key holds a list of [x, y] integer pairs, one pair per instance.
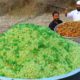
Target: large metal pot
{"points": [[74, 75]]}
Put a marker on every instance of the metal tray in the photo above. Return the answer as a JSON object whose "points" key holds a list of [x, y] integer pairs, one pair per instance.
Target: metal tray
{"points": [[76, 39]]}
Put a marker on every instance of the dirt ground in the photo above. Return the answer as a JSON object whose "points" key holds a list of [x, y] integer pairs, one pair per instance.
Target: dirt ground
{"points": [[44, 20]]}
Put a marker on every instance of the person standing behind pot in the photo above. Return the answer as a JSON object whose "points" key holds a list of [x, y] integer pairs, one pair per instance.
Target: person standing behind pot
{"points": [[75, 14], [55, 21]]}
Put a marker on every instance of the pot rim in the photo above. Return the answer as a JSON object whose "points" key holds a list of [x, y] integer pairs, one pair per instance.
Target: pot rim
{"points": [[51, 78]]}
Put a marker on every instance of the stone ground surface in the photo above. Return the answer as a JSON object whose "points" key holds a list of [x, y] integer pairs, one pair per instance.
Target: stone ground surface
{"points": [[44, 20]]}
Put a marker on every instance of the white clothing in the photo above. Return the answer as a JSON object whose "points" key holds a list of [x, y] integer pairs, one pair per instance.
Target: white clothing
{"points": [[78, 2], [75, 15]]}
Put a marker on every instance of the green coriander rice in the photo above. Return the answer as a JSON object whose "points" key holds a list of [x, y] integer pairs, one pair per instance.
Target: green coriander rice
{"points": [[32, 51]]}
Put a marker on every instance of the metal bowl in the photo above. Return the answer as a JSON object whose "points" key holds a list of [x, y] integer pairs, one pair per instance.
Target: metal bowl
{"points": [[76, 39]]}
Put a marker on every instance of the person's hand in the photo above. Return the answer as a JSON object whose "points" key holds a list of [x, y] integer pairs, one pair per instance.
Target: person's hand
{"points": [[66, 11]]}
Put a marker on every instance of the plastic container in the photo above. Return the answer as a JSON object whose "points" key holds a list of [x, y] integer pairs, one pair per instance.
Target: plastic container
{"points": [[76, 39]]}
